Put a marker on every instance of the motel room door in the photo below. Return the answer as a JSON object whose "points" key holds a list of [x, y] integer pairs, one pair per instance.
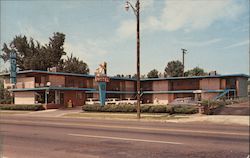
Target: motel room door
{"points": [[62, 98]]}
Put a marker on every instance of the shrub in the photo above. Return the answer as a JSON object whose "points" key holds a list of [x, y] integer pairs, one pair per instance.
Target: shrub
{"points": [[157, 109], [109, 108], [213, 103], [209, 106], [22, 107], [180, 109], [145, 108], [184, 109], [5, 101], [95, 107]]}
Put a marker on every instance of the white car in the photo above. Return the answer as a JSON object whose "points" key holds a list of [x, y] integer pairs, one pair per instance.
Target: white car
{"points": [[112, 101], [92, 101], [128, 101]]}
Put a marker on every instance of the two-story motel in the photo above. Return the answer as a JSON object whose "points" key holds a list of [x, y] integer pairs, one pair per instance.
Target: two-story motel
{"points": [[55, 89]]}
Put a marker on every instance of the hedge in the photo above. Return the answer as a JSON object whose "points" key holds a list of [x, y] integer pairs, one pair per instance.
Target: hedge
{"points": [[210, 106], [179, 109], [5, 101], [184, 109], [22, 107]]}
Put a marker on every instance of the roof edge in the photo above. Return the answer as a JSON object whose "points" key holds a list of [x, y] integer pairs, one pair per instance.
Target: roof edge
{"points": [[125, 78]]}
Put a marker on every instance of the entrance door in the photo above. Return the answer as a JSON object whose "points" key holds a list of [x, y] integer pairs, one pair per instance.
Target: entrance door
{"points": [[62, 98]]}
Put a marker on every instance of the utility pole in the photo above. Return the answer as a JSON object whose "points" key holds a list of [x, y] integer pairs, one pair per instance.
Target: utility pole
{"points": [[184, 51], [136, 10]]}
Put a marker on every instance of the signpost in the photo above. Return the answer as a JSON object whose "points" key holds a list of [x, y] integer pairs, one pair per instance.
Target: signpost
{"points": [[13, 67], [102, 79], [12, 70]]}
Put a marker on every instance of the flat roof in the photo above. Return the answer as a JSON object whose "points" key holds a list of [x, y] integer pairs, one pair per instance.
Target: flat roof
{"points": [[126, 78], [52, 88], [195, 77], [65, 74]]}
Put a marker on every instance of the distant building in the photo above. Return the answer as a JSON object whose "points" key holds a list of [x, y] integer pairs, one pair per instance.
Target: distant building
{"points": [[56, 89]]}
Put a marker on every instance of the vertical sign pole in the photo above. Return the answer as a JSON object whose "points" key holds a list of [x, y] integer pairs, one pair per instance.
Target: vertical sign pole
{"points": [[13, 67], [102, 93], [12, 71]]}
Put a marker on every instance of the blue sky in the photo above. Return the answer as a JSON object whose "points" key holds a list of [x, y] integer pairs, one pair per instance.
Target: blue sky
{"points": [[215, 32]]}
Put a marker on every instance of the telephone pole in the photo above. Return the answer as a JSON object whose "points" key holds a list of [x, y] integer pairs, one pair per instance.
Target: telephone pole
{"points": [[184, 51], [136, 9]]}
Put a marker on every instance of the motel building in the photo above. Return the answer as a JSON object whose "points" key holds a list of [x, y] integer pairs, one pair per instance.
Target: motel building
{"points": [[57, 89]]}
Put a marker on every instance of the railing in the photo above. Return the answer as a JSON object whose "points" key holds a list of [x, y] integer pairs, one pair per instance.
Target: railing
{"points": [[225, 92]]}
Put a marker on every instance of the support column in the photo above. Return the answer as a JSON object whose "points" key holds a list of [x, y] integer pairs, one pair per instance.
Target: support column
{"points": [[102, 93]]}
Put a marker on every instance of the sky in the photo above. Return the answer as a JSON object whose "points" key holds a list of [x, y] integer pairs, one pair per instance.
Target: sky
{"points": [[215, 32]]}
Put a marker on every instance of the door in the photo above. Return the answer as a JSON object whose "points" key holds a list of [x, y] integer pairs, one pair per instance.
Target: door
{"points": [[62, 98]]}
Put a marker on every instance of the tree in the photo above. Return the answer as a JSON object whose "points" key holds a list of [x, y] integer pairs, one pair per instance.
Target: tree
{"points": [[174, 69], [73, 65], [135, 76], [31, 55], [120, 75], [5, 97], [153, 74], [195, 72]]}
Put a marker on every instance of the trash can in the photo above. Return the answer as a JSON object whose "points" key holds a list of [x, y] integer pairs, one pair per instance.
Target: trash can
{"points": [[70, 105]]}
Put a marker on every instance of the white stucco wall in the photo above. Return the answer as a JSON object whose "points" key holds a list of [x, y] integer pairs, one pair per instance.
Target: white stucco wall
{"points": [[24, 98]]}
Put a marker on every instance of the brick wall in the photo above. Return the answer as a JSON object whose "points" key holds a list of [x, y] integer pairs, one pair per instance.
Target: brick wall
{"points": [[207, 96], [187, 84], [25, 82], [52, 106], [160, 85], [223, 84], [130, 86], [210, 84], [57, 80], [77, 82], [77, 97]]}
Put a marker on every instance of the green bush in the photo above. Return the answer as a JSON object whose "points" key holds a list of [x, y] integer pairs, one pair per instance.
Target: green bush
{"points": [[109, 108], [210, 105], [184, 109], [145, 108], [180, 109], [6, 101], [22, 107], [158, 109]]}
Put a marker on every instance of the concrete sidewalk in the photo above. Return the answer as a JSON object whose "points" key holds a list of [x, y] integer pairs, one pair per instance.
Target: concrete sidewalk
{"points": [[220, 119], [77, 113], [53, 112]]}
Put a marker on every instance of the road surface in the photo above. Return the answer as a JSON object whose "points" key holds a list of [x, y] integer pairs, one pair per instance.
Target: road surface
{"points": [[40, 137]]}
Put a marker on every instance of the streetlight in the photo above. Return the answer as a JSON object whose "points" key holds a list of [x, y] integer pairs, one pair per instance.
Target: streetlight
{"points": [[136, 10]]}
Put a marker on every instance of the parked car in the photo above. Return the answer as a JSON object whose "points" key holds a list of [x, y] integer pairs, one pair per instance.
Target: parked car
{"points": [[184, 101], [128, 101], [92, 101], [112, 101]]}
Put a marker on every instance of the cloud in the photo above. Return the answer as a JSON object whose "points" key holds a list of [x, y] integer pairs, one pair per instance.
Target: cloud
{"points": [[86, 48], [90, 51], [30, 31], [126, 29], [187, 14], [242, 43], [146, 4], [200, 43]]}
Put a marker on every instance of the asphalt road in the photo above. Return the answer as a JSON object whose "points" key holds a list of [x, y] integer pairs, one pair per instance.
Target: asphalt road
{"points": [[44, 137]]}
